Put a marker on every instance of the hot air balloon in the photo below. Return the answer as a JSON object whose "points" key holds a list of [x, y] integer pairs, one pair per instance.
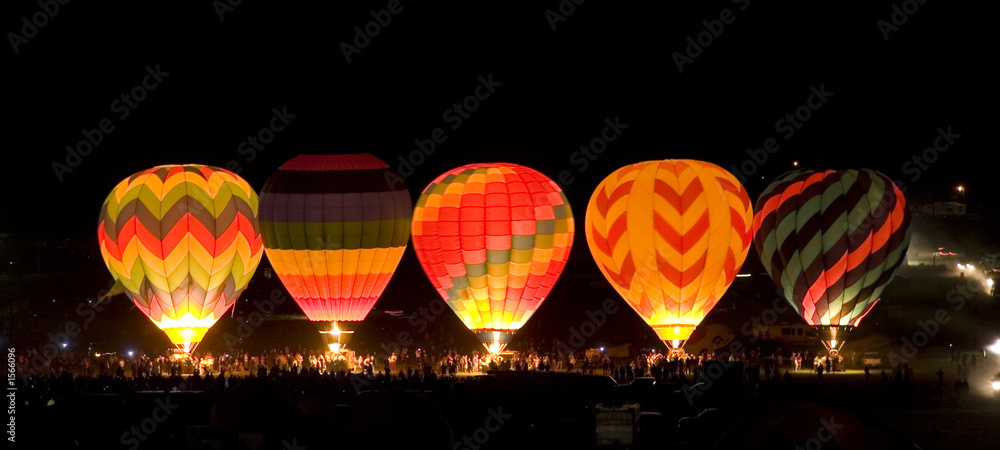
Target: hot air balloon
{"points": [[182, 241], [831, 241], [670, 236], [335, 228], [493, 239]]}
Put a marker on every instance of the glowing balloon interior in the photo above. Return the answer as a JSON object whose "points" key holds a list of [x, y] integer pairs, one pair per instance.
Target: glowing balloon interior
{"points": [[670, 237], [493, 239], [182, 241]]}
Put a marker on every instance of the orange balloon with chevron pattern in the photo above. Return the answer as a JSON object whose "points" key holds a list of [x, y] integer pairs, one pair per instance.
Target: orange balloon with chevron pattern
{"points": [[182, 241], [670, 236]]}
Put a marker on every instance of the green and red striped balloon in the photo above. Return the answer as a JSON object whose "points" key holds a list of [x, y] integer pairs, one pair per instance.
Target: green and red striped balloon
{"points": [[831, 241]]}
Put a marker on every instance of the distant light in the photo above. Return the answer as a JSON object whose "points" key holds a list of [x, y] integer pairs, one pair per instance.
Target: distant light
{"points": [[130, 352], [961, 188], [743, 275], [960, 267], [970, 267], [795, 163], [994, 348], [97, 355], [64, 345], [602, 349]]}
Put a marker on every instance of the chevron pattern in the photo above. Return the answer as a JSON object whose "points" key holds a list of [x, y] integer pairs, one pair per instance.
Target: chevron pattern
{"points": [[335, 228], [832, 240], [670, 236], [183, 242], [493, 239]]}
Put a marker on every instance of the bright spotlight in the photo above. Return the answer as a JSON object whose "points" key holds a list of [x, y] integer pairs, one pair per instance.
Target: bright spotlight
{"points": [[994, 348], [961, 267], [130, 352], [996, 385]]}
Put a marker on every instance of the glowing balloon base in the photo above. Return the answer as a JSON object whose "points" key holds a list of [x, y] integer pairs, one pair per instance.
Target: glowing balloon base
{"points": [[336, 335], [186, 339], [495, 341], [676, 347], [834, 336], [675, 336]]}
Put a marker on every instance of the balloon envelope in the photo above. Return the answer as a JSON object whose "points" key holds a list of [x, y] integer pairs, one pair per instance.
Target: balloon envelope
{"points": [[493, 239], [335, 228], [183, 242], [670, 236], [831, 241]]}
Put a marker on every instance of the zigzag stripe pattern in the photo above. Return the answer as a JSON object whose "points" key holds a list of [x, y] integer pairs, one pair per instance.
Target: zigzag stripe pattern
{"points": [[183, 241], [335, 228], [832, 240], [493, 239], [670, 236]]}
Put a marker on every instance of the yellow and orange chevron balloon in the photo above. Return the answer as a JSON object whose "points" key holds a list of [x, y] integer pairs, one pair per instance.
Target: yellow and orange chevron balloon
{"points": [[183, 242], [670, 236]]}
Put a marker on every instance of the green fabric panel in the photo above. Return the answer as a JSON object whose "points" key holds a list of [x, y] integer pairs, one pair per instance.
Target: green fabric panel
{"points": [[352, 234], [370, 233], [333, 235], [522, 242], [545, 227], [497, 256], [545, 241], [475, 270], [314, 236]]}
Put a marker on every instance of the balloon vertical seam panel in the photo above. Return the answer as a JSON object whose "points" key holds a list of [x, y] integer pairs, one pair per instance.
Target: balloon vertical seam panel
{"points": [[679, 215], [336, 253], [518, 274]]}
